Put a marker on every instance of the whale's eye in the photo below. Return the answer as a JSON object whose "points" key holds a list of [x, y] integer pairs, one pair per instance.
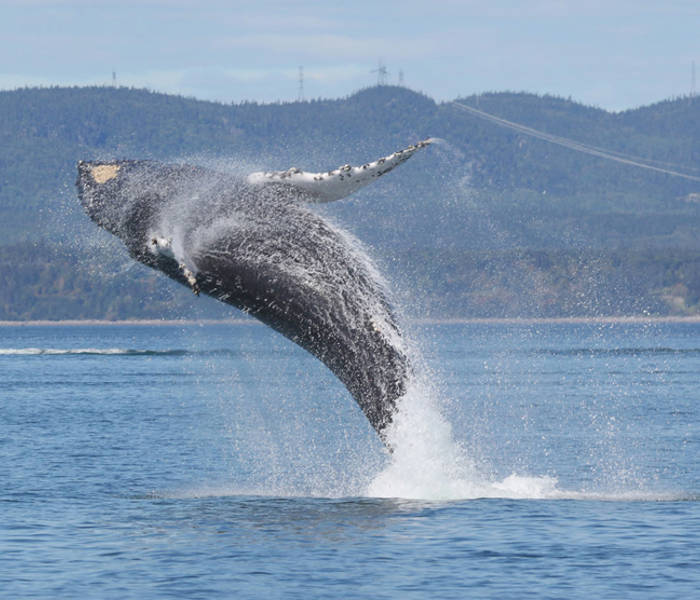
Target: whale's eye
{"points": [[103, 173]]}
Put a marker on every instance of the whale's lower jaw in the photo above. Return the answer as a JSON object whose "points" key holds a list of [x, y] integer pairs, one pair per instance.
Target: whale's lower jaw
{"points": [[262, 250]]}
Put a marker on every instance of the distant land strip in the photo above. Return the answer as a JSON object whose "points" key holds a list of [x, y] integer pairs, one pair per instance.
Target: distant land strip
{"points": [[126, 322]]}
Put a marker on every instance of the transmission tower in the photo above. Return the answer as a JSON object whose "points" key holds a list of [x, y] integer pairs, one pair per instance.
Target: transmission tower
{"points": [[382, 73], [692, 80], [401, 77], [300, 96]]}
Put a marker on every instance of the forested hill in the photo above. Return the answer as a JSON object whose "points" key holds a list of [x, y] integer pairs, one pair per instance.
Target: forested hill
{"points": [[491, 222]]}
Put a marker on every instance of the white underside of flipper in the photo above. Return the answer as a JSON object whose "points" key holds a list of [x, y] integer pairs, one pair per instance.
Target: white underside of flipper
{"points": [[340, 183]]}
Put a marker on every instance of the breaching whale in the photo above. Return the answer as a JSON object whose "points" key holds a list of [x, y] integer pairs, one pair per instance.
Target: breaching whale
{"points": [[255, 243]]}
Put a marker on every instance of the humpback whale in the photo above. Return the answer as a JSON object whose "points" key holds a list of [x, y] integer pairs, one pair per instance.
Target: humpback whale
{"points": [[255, 243]]}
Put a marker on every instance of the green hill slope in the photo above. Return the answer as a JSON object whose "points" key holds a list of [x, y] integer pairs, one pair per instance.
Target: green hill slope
{"points": [[491, 222]]}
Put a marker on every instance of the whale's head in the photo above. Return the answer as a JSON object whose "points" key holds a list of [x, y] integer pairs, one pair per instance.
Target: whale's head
{"points": [[98, 184], [109, 194], [127, 197]]}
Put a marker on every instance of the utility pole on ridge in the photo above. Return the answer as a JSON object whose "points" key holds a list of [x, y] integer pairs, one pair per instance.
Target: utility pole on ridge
{"points": [[300, 96]]}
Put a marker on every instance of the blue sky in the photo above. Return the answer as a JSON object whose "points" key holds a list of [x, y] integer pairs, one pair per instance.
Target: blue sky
{"points": [[615, 54]]}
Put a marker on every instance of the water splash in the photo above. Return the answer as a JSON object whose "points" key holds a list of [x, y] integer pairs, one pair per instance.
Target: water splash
{"points": [[427, 462]]}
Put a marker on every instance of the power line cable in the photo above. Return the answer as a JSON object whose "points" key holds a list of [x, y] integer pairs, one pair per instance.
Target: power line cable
{"points": [[574, 145]]}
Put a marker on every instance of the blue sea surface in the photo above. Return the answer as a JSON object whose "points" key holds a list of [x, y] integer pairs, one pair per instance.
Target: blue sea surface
{"points": [[221, 461]]}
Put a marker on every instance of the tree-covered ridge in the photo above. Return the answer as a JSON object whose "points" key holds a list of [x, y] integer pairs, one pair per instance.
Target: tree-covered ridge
{"points": [[462, 218]]}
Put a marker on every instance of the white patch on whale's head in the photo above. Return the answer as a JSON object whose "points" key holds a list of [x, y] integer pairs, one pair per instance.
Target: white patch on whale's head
{"points": [[103, 173]]}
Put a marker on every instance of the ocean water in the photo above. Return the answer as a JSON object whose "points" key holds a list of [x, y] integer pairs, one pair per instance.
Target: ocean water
{"points": [[220, 461]]}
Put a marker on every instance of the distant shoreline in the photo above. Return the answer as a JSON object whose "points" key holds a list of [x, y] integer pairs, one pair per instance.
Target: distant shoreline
{"points": [[635, 319], [126, 322]]}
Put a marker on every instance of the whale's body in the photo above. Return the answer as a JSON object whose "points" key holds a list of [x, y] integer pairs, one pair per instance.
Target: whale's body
{"points": [[255, 243]]}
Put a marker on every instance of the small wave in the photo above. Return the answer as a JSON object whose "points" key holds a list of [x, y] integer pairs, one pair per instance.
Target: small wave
{"points": [[513, 487], [88, 351], [221, 352], [596, 352], [438, 487]]}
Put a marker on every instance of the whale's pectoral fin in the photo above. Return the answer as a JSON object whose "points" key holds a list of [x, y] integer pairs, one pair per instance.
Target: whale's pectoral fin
{"points": [[340, 183], [163, 246]]}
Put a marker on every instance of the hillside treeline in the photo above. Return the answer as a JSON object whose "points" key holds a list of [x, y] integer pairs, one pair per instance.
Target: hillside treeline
{"points": [[46, 282], [489, 222]]}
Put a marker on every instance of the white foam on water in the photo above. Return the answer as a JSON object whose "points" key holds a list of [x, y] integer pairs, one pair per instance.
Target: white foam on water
{"points": [[426, 462]]}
